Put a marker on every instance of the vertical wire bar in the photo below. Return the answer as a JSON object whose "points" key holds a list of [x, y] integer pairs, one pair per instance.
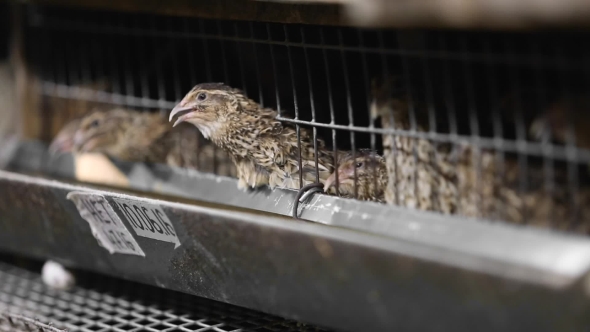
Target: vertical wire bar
{"points": [[547, 147], [86, 75], [100, 67], [391, 119], [331, 106], [61, 77], [49, 67], [144, 87], [413, 126], [113, 65], [226, 76], [40, 48], [349, 107], [240, 59], [158, 65], [368, 93], [570, 139], [206, 53], [129, 84], [193, 82], [73, 74], [452, 118], [474, 129], [274, 70], [521, 141], [175, 71], [85, 67], [73, 78], [65, 74], [432, 128], [257, 65], [61, 66], [496, 124], [191, 55], [312, 104], [294, 90], [177, 86], [209, 74], [223, 55], [117, 58], [584, 69]]}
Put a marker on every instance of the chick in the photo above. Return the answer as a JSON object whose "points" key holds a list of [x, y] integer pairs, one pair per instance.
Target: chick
{"points": [[264, 150], [371, 176], [146, 137]]}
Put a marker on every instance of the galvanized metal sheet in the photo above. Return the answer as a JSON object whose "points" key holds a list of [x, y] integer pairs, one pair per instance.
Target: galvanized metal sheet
{"points": [[320, 274], [524, 253]]}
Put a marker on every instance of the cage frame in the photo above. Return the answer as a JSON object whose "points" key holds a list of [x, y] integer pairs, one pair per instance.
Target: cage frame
{"points": [[460, 252], [311, 272]]}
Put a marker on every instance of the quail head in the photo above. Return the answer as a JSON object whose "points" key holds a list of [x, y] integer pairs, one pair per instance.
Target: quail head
{"points": [[63, 142], [367, 169]]}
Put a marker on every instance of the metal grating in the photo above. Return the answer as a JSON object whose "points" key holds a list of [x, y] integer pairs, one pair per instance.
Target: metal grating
{"points": [[478, 89], [99, 303]]}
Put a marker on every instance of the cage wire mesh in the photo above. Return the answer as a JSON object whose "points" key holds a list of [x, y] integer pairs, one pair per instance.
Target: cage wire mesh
{"points": [[100, 303], [487, 125]]}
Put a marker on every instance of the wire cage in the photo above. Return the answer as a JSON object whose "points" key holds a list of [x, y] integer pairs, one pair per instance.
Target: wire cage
{"points": [[438, 142], [476, 104]]}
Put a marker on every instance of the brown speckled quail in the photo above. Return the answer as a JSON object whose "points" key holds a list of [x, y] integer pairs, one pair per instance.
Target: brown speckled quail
{"points": [[147, 137], [264, 150], [465, 180], [371, 176]]}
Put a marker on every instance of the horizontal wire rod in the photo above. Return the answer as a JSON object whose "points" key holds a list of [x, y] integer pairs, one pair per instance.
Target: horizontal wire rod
{"points": [[70, 92], [530, 148]]}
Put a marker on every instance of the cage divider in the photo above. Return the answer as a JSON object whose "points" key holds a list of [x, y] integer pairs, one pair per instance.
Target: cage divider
{"points": [[349, 109]]}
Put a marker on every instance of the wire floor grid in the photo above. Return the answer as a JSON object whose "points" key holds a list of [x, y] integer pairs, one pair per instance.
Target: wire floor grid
{"points": [[99, 303]]}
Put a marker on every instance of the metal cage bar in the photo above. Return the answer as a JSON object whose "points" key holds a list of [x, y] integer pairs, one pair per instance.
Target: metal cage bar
{"points": [[458, 78]]}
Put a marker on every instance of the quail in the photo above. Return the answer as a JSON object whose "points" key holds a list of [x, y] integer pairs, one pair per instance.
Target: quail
{"points": [[264, 150], [134, 136], [365, 168]]}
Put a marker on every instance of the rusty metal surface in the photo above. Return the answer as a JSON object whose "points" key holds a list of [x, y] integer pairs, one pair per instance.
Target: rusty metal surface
{"points": [[319, 274]]}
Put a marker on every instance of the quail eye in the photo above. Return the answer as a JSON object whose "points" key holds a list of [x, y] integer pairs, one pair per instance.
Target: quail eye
{"points": [[202, 96], [358, 165], [94, 124]]}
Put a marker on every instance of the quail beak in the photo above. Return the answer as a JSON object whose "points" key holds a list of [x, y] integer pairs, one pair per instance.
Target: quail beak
{"points": [[332, 179], [181, 107], [60, 145]]}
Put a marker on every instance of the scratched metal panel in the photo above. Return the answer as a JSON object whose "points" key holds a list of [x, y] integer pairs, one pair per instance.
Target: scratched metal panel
{"points": [[519, 247], [319, 274]]}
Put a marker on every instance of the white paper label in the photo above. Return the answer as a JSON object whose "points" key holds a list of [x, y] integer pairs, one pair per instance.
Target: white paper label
{"points": [[148, 220], [106, 226]]}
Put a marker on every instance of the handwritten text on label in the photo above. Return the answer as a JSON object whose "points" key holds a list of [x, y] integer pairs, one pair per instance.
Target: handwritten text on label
{"points": [[148, 220], [107, 228]]}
